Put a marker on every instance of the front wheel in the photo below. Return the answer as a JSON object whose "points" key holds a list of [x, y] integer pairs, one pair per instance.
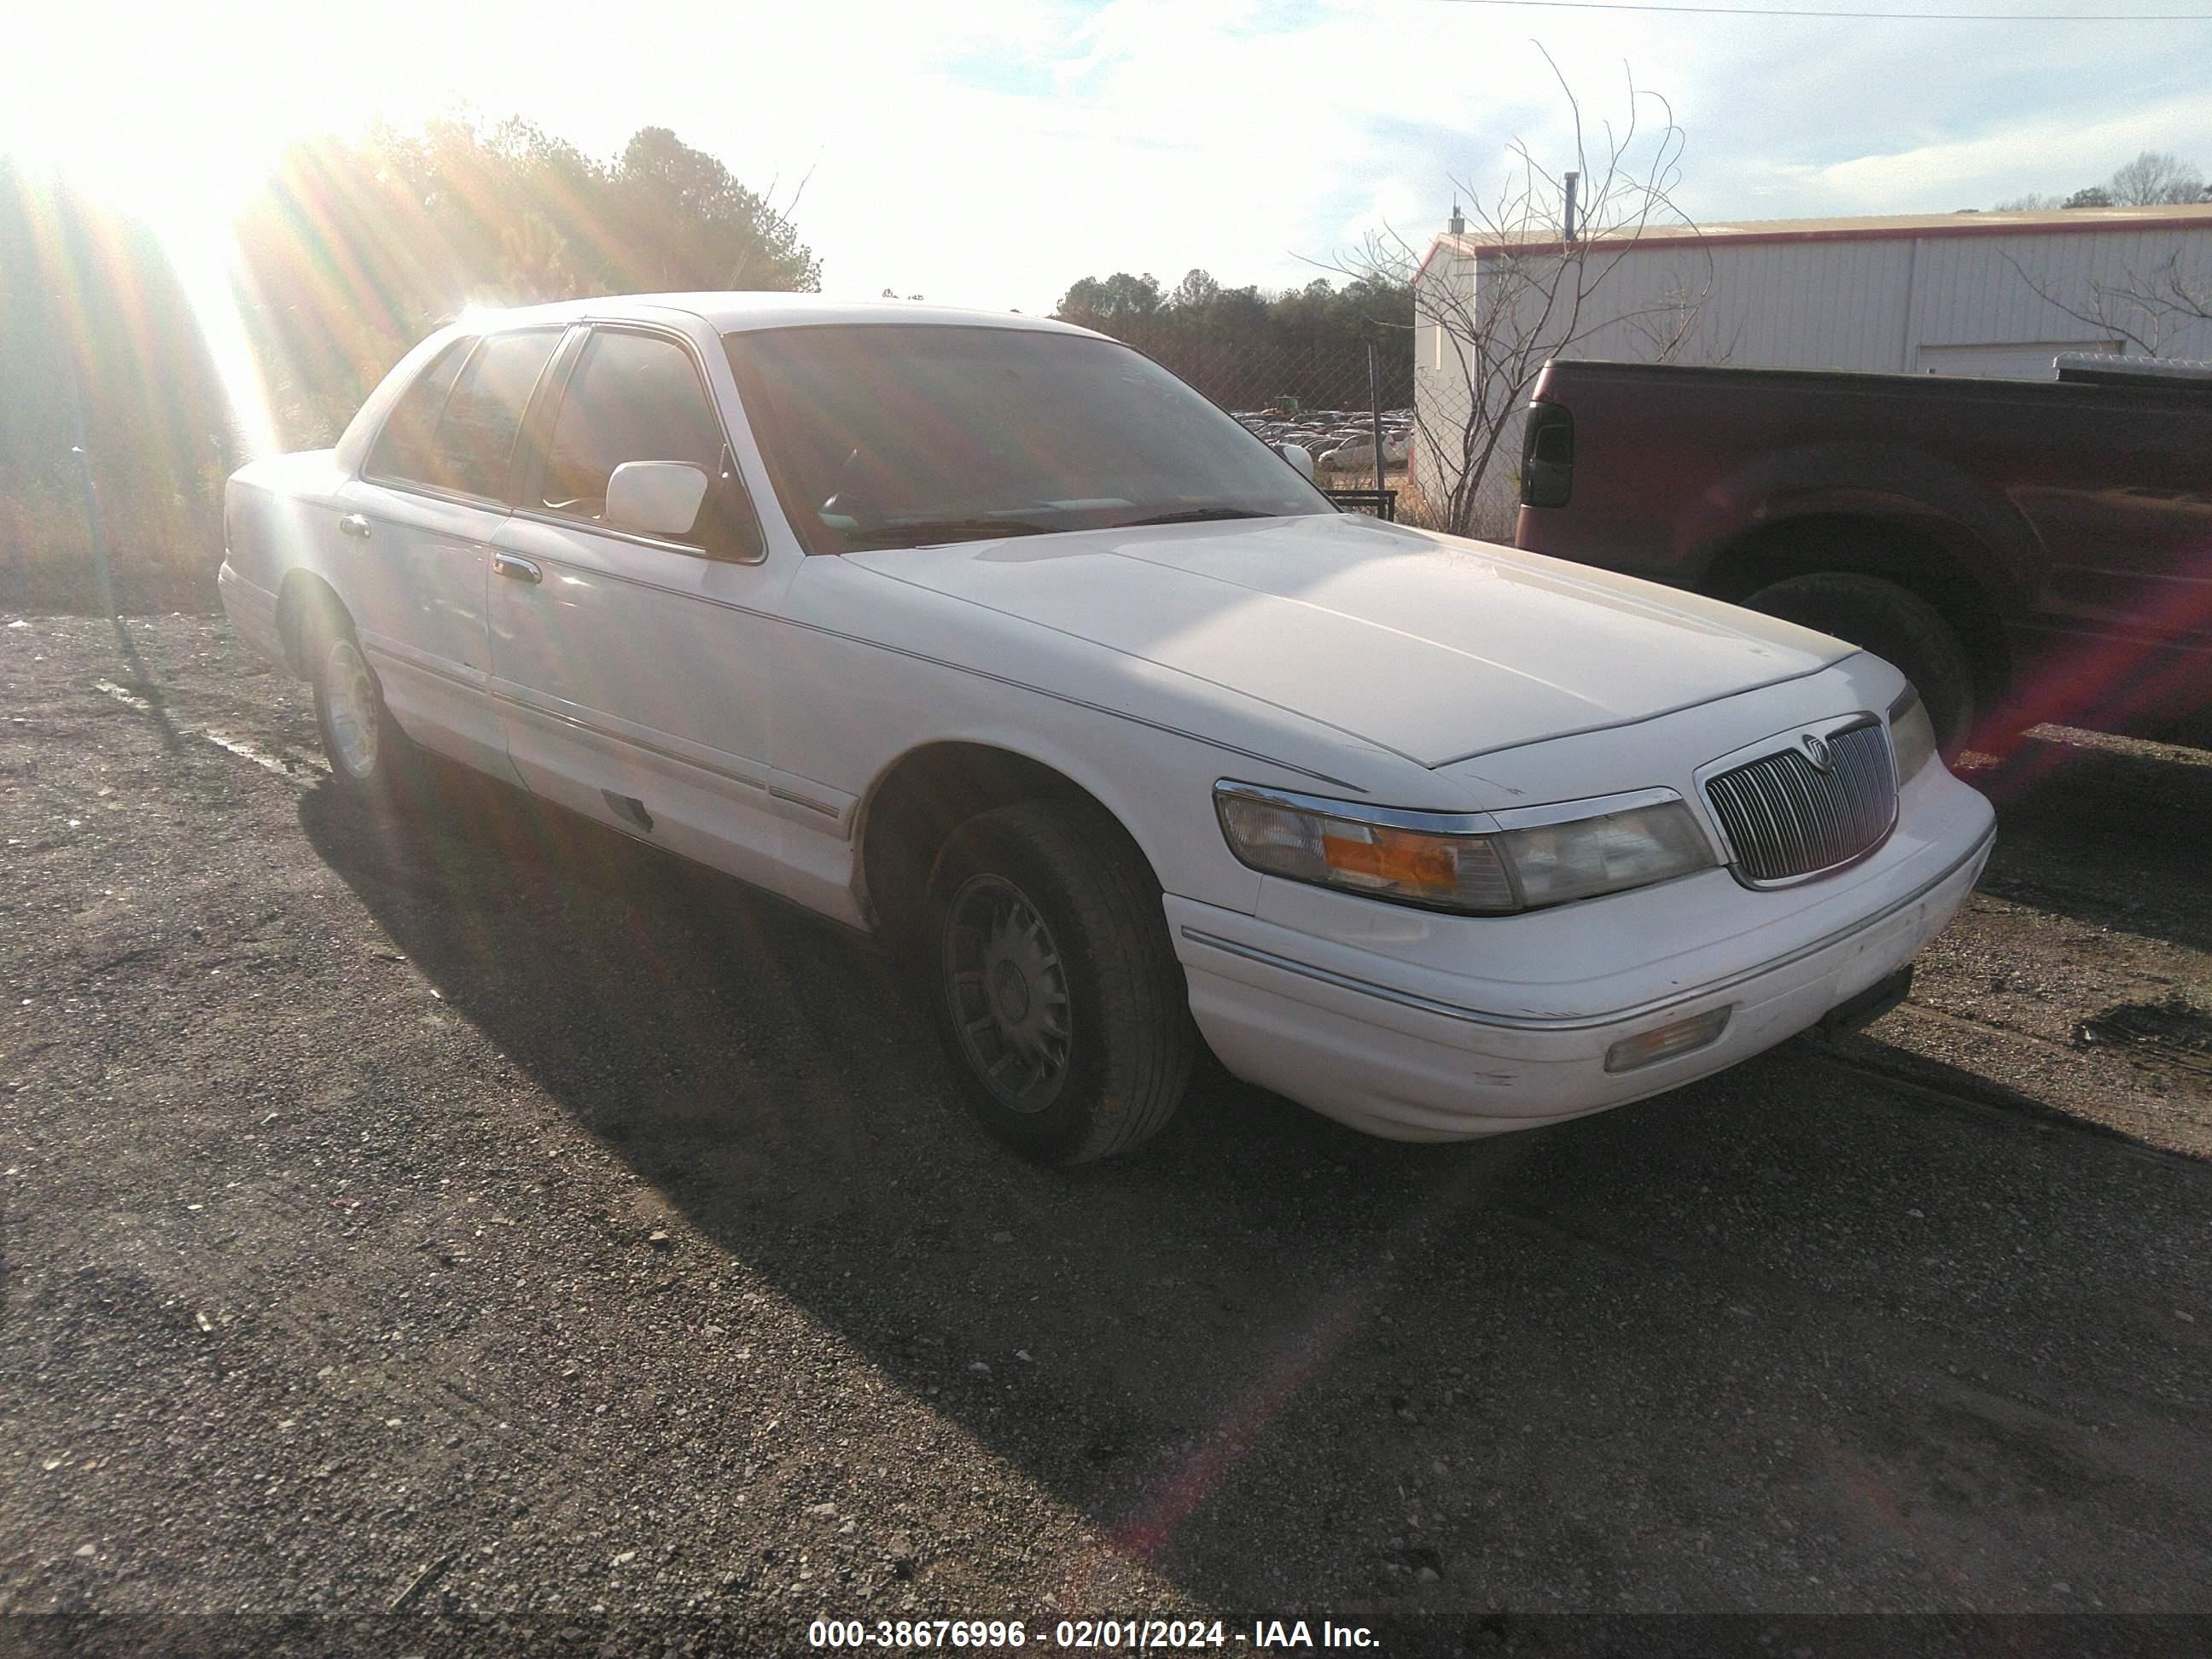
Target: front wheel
{"points": [[1058, 998]]}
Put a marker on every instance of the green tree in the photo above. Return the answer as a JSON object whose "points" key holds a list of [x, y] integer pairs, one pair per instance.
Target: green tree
{"points": [[357, 248], [694, 226], [1246, 348], [1120, 298], [1196, 292]]}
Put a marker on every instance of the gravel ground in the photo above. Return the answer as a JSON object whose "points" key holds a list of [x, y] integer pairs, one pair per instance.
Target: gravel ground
{"points": [[488, 1232]]}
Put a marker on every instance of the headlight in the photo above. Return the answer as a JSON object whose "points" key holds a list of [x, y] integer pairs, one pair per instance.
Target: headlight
{"points": [[1473, 864], [1584, 857], [1912, 735]]}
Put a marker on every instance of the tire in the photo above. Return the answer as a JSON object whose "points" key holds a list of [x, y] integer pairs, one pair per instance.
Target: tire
{"points": [[370, 756], [1881, 616], [1057, 993]]}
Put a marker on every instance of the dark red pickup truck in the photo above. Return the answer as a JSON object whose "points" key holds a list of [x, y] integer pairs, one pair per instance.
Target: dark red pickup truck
{"points": [[2025, 551]]}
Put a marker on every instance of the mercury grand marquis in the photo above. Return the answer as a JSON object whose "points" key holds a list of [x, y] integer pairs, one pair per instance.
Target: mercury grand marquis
{"points": [[987, 636]]}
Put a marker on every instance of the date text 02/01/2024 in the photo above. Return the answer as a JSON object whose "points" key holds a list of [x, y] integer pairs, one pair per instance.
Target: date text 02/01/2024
{"points": [[1095, 1635]]}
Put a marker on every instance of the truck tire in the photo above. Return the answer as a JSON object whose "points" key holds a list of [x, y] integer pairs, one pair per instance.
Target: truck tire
{"points": [[371, 758], [1898, 626], [1060, 1003]]}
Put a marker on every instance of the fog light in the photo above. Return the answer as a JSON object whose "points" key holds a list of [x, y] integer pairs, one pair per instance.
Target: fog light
{"points": [[1668, 1041]]}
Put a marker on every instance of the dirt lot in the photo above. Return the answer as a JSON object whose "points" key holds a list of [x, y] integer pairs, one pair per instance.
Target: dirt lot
{"points": [[489, 1233]]}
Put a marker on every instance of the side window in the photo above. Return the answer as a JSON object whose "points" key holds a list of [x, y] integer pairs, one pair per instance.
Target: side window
{"points": [[475, 441], [403, 447], [639, 398]]}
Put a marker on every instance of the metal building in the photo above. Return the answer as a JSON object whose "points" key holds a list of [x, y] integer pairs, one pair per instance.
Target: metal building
{"points": [[1989, 294]]}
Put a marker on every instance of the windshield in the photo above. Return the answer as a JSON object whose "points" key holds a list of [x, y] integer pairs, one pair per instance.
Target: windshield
{"points": [[893, 434]]}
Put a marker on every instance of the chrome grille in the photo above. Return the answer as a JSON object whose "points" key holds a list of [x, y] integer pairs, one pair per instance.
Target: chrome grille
{"points": [[1786, 817]]}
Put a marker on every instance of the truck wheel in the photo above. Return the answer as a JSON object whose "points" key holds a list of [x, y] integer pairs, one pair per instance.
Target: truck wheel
{"points": [[1901, 627], [368, 753], [1058, 998]]}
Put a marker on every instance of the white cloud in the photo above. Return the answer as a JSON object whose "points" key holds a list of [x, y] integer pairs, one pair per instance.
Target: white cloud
{"points": [[2039, 152], [992, 152]]}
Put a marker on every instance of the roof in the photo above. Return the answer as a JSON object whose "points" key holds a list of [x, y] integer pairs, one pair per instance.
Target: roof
{"points": [[2043, 221], [734, 312]]}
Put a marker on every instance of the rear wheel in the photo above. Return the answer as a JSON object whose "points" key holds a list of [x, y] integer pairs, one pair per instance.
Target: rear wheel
{"points": [[368, 753], [1898, 626], [1058, 998]]}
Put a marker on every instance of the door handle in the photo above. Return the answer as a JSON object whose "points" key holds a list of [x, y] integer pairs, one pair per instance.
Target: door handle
{"points": [[354, 524], [520, 570]]}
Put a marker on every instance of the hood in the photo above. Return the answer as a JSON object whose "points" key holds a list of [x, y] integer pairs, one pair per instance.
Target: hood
{"points": [[1436, 649]]}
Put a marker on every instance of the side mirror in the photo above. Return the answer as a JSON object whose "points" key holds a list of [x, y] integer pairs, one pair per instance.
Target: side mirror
{"points": [[656, 498], [1299, 456]]}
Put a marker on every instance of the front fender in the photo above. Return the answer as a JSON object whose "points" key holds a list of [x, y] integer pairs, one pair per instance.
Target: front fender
{"points": [[1163, 797]]}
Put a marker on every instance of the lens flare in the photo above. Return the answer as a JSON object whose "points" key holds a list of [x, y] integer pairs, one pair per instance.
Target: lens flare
{"points": [[203, 255]]}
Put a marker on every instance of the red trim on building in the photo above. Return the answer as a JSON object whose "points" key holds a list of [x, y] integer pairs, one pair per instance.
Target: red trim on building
{"points": [[1967, 225]]}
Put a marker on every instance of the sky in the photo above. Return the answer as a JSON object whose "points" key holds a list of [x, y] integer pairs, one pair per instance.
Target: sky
{"points": [[992, 152]]}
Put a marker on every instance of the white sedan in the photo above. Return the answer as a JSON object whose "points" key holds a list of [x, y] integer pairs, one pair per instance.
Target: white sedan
{"points": [[987, 635]]}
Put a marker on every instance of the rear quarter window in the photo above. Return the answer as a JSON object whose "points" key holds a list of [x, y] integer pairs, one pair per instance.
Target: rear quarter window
{"points": [[403, 447], [455, 429]]}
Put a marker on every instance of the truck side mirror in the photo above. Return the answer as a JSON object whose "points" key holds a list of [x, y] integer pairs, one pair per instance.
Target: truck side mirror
{"points": [[1548, 457]]}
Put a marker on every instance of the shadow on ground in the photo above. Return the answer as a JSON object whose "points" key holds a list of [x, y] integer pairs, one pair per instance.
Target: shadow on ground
{"points": [[2105, 829], [1782, 1339]]}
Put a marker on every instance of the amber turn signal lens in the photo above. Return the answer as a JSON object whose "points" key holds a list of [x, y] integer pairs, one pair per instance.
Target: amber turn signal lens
{"points": [[1681, 1038], [1405, 860]]}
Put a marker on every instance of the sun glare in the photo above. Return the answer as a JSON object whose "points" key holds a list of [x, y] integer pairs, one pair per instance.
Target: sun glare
{"points": [[182, 165], [202, 252]]}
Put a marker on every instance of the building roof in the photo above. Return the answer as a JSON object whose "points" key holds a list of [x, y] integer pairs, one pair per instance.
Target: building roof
{"points": [[2041, 221]]}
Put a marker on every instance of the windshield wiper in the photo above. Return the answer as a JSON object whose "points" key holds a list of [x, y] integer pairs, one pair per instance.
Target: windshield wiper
{"points": [[931, 531], [1192, 515]]}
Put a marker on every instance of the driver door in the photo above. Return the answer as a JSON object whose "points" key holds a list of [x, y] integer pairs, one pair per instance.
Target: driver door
{"points": [[629, 668]]}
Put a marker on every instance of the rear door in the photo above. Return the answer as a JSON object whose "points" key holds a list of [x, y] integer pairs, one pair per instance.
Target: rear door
{"points": [[414, 537], [632, 671]]}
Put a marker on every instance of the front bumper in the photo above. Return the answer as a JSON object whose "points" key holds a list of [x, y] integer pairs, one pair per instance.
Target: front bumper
{"points": [[1390, 1041]]}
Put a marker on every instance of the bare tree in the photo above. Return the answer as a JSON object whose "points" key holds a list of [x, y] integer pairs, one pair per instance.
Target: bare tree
{"points": [[2152, 311], [2155, 179], [1521, 286]]}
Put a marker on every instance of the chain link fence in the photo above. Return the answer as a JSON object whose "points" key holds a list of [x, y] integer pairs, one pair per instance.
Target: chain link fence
{"points": [[1465, 474], [1446, 465], [1334, 398]]}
